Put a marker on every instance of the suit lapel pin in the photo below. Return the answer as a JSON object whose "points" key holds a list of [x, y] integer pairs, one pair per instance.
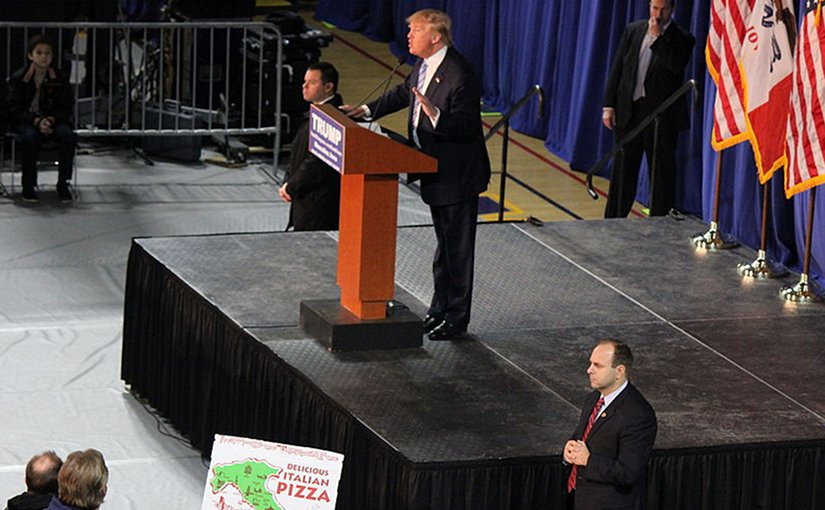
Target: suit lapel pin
{"points": [[604, 415], [437, 79]]}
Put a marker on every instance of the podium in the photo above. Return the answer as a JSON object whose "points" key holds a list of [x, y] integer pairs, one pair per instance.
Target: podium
{"points": [[369, 165]]}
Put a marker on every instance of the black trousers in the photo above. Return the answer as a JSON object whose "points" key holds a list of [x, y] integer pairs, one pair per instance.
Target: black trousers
{"points": [[626, 165], [31, 140], [454, 261]]}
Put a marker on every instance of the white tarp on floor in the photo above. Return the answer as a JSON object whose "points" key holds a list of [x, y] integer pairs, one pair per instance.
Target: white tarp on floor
{"points": [[62, 272]]}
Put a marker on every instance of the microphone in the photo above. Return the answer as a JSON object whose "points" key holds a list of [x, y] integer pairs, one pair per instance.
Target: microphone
{"points": [[381, 99], [386, 80]]}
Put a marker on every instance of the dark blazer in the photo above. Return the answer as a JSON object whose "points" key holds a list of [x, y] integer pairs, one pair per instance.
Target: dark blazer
{"points": [[56, 99], [670, 54], [458, 141], [29, 501], [314, 186], [620, 443]]}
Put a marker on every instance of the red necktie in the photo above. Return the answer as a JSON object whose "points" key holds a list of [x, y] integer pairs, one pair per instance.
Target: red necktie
{"points": [[571, 481]]}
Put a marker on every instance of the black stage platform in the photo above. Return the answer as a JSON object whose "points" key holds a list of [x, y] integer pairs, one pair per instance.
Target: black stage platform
{"points": [[734, 373]]}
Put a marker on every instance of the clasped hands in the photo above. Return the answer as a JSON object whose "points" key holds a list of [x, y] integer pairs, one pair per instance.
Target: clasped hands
{"points": [[576, 452], [45, 125]]}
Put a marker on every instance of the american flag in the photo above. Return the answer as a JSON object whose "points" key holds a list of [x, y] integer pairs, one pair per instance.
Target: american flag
{"points": [[805, 136], [727, 31]]}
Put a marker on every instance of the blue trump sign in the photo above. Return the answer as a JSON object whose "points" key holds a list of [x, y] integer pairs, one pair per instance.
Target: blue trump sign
{"points": [[326, 139]]}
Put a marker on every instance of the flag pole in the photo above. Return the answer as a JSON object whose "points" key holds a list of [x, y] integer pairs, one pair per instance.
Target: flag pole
{"points": [[803, 292], [712, 239], [762, 267]]}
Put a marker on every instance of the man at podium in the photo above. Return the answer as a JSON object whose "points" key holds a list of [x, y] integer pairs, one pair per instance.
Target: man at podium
{"points": [[443, 96]]}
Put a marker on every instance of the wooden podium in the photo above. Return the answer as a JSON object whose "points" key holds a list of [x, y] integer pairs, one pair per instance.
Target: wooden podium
{"points": [[369, 164]]}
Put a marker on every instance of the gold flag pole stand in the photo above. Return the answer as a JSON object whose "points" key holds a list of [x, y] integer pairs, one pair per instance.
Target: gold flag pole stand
{"points": [[804, 291], [763, 268], [712, 239]]}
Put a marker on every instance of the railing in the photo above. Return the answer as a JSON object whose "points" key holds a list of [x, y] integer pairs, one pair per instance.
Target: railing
{"points": [[652, 117], [164, 79], [505, 122]]}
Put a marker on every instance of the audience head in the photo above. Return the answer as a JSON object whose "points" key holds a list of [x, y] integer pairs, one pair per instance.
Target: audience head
{"points": [[83, 479], [41, 473]]}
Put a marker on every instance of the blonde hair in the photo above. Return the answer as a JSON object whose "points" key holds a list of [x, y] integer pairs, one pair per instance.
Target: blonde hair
{"points": [[82, 479], [438, 20]]}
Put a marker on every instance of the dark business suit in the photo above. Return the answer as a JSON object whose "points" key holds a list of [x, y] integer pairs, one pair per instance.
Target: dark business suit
{"points": [[463, 173], [620, 443], [670, 54], [314, 186]]}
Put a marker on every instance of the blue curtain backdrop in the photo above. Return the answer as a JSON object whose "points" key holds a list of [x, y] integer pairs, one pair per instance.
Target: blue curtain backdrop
{"points": [[567, 48]]}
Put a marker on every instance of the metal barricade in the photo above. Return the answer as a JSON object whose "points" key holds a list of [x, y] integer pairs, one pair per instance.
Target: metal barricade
{"points": [[164, 79]]}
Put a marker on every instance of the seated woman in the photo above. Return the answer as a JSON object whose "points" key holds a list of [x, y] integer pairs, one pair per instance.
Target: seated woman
{"points": [[40, 106]]}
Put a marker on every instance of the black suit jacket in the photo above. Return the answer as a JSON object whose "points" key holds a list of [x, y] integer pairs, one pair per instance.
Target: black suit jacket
{"points": [[56, 99], [620, 443], [458, 140], [670, 54], [314, 186], [29, 501]]}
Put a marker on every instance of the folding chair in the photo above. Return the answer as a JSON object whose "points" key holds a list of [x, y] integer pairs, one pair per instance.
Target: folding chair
{"points": [[48, 145]]}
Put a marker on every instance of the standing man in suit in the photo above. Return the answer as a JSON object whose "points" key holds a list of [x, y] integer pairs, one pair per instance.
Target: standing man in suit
{"points": [[610, 447], [648, 68], [443, 96], [312, 187]]}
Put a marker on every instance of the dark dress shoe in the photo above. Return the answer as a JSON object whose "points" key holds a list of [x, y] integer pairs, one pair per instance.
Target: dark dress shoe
{"points": [[29, 195], [431, 322], [64, 193], [446, 331]]}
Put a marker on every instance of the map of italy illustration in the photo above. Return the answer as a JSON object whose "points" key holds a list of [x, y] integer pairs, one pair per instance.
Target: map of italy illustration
{"points": [[249, 478]]}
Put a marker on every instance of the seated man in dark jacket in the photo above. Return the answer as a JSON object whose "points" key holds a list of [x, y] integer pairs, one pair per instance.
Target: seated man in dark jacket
{"points": [[40, 105], [41, 483]]}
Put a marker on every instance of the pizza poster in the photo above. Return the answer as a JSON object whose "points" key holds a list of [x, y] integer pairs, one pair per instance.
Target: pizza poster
{"points": [[250, 474]]}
